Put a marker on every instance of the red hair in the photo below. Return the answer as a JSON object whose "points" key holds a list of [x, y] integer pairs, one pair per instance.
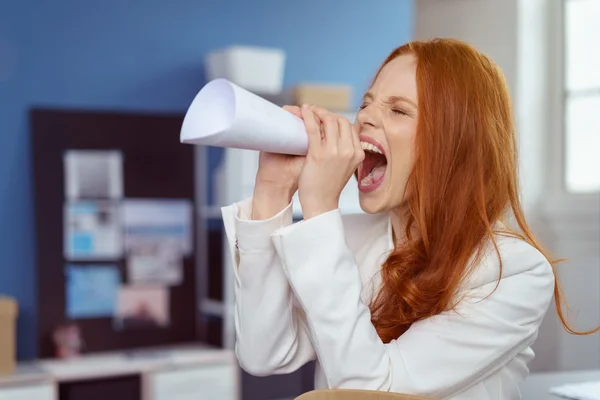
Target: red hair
{"points": [[464, 180]]}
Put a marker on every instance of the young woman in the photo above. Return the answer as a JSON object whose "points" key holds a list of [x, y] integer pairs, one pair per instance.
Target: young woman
{"points": [[430, 292]]}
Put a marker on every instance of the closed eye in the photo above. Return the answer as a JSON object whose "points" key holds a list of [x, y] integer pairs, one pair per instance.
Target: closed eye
{"points": [[397, 111]]}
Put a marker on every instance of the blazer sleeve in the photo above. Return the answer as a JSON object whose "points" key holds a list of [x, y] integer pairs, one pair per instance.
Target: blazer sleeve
{"points": [[438, 357], [271, 336]]}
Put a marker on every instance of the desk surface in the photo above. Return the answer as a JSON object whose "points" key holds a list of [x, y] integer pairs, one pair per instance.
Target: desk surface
{"points": [[105, 365], [537, 386], [25, 373]]}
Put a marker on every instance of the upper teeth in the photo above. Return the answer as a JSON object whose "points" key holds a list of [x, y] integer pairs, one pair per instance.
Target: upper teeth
{"points": [[370, 147]]}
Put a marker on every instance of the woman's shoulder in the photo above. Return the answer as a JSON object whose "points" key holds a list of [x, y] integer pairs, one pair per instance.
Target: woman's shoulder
{"points": [[512, 257]]}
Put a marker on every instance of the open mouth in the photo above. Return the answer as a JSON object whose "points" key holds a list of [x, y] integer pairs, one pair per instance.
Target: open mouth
{"points": [[372, 170]]}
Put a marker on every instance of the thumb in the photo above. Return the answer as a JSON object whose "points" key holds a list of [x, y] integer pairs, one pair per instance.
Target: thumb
{"points": [[294, 110]]}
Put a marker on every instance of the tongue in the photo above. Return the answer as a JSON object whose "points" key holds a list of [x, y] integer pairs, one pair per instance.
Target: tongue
{"points": [[378, 173]]}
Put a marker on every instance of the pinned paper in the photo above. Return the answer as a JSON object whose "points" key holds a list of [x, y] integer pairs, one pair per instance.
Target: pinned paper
{"points": [[160, 228], [92, 230], [93, 174], [91, 290], [225, 115], [142, 307], [160, 267]]}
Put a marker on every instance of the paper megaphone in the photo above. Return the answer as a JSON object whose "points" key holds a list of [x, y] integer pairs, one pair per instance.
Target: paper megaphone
{"points": [[225, 115]]}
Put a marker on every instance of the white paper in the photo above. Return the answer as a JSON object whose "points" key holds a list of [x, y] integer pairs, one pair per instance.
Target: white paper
{"points": [[578, 391], [92, 230], [158, 266], [158, 226], [225, 115], [93, 174]]}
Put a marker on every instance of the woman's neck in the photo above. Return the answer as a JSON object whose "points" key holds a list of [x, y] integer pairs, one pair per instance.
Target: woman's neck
{"points": [[398, 218]]}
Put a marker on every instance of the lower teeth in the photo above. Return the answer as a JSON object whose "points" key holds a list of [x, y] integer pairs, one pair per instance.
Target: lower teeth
{"points": [[378, 171], [367, 180]]}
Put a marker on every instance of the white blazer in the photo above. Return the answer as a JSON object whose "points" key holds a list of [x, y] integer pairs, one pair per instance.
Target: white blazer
{"points": [[302, 292]]}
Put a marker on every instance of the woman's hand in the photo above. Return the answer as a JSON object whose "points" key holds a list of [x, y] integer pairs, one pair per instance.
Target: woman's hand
{"points": [[334, 152], [276, 180]]}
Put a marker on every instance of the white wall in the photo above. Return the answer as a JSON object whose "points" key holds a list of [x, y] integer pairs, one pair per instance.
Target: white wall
{"points": [[489, 25], [520, 36]]}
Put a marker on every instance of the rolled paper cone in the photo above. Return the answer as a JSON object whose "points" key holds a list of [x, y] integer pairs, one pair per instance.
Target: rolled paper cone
{"points": [[225, 115]]}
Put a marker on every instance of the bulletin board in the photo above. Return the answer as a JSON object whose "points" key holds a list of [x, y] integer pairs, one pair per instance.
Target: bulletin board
{"points": [[115, 236]]}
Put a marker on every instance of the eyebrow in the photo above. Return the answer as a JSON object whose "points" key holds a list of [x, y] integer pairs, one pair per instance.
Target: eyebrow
{"points": [[391, 99]]}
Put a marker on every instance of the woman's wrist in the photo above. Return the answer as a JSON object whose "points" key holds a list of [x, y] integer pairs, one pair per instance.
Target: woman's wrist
{"points": [[314, 209], [269, 200]]}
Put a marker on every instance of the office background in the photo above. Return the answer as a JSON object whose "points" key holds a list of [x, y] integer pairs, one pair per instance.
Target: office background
{"points": [[148, 57]]}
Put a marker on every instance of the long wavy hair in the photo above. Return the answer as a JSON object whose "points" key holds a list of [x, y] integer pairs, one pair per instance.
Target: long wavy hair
{"points": [[464, 180]]}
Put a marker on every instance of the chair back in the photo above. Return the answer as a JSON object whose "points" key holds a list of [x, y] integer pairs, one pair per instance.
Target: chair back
{"points": [[356, 395]]}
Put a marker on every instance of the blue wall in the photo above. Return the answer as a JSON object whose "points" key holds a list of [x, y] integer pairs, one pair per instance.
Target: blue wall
{"points": [[147, 55]]}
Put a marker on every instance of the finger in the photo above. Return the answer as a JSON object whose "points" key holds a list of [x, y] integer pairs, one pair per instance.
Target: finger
{"points": [[329, 124], [313, 128], [358, 150], [345, 129], [349, 144], [351, 132], [319, 122], [294, 110]]}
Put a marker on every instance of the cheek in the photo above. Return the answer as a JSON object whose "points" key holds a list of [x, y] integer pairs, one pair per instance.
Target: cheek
{"points": [[401, 146]]}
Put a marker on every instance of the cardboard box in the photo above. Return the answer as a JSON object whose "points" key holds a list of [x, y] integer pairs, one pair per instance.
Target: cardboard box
{"points": [[331, 97], [356, 395], [8, 316], [257, 69]]}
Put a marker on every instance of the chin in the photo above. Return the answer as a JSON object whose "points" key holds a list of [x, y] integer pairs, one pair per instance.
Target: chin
{"points": [[371, 204], [374, 198]]}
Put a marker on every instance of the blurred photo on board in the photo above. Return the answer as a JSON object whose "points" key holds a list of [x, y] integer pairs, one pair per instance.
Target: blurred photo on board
{"points": [[142, 307]]}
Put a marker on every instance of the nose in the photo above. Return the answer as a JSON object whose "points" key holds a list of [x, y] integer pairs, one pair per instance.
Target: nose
{"points": [[368, 117]]}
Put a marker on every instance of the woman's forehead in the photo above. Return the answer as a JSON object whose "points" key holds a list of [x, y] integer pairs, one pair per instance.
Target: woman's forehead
{"points": [[397, 78]]}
